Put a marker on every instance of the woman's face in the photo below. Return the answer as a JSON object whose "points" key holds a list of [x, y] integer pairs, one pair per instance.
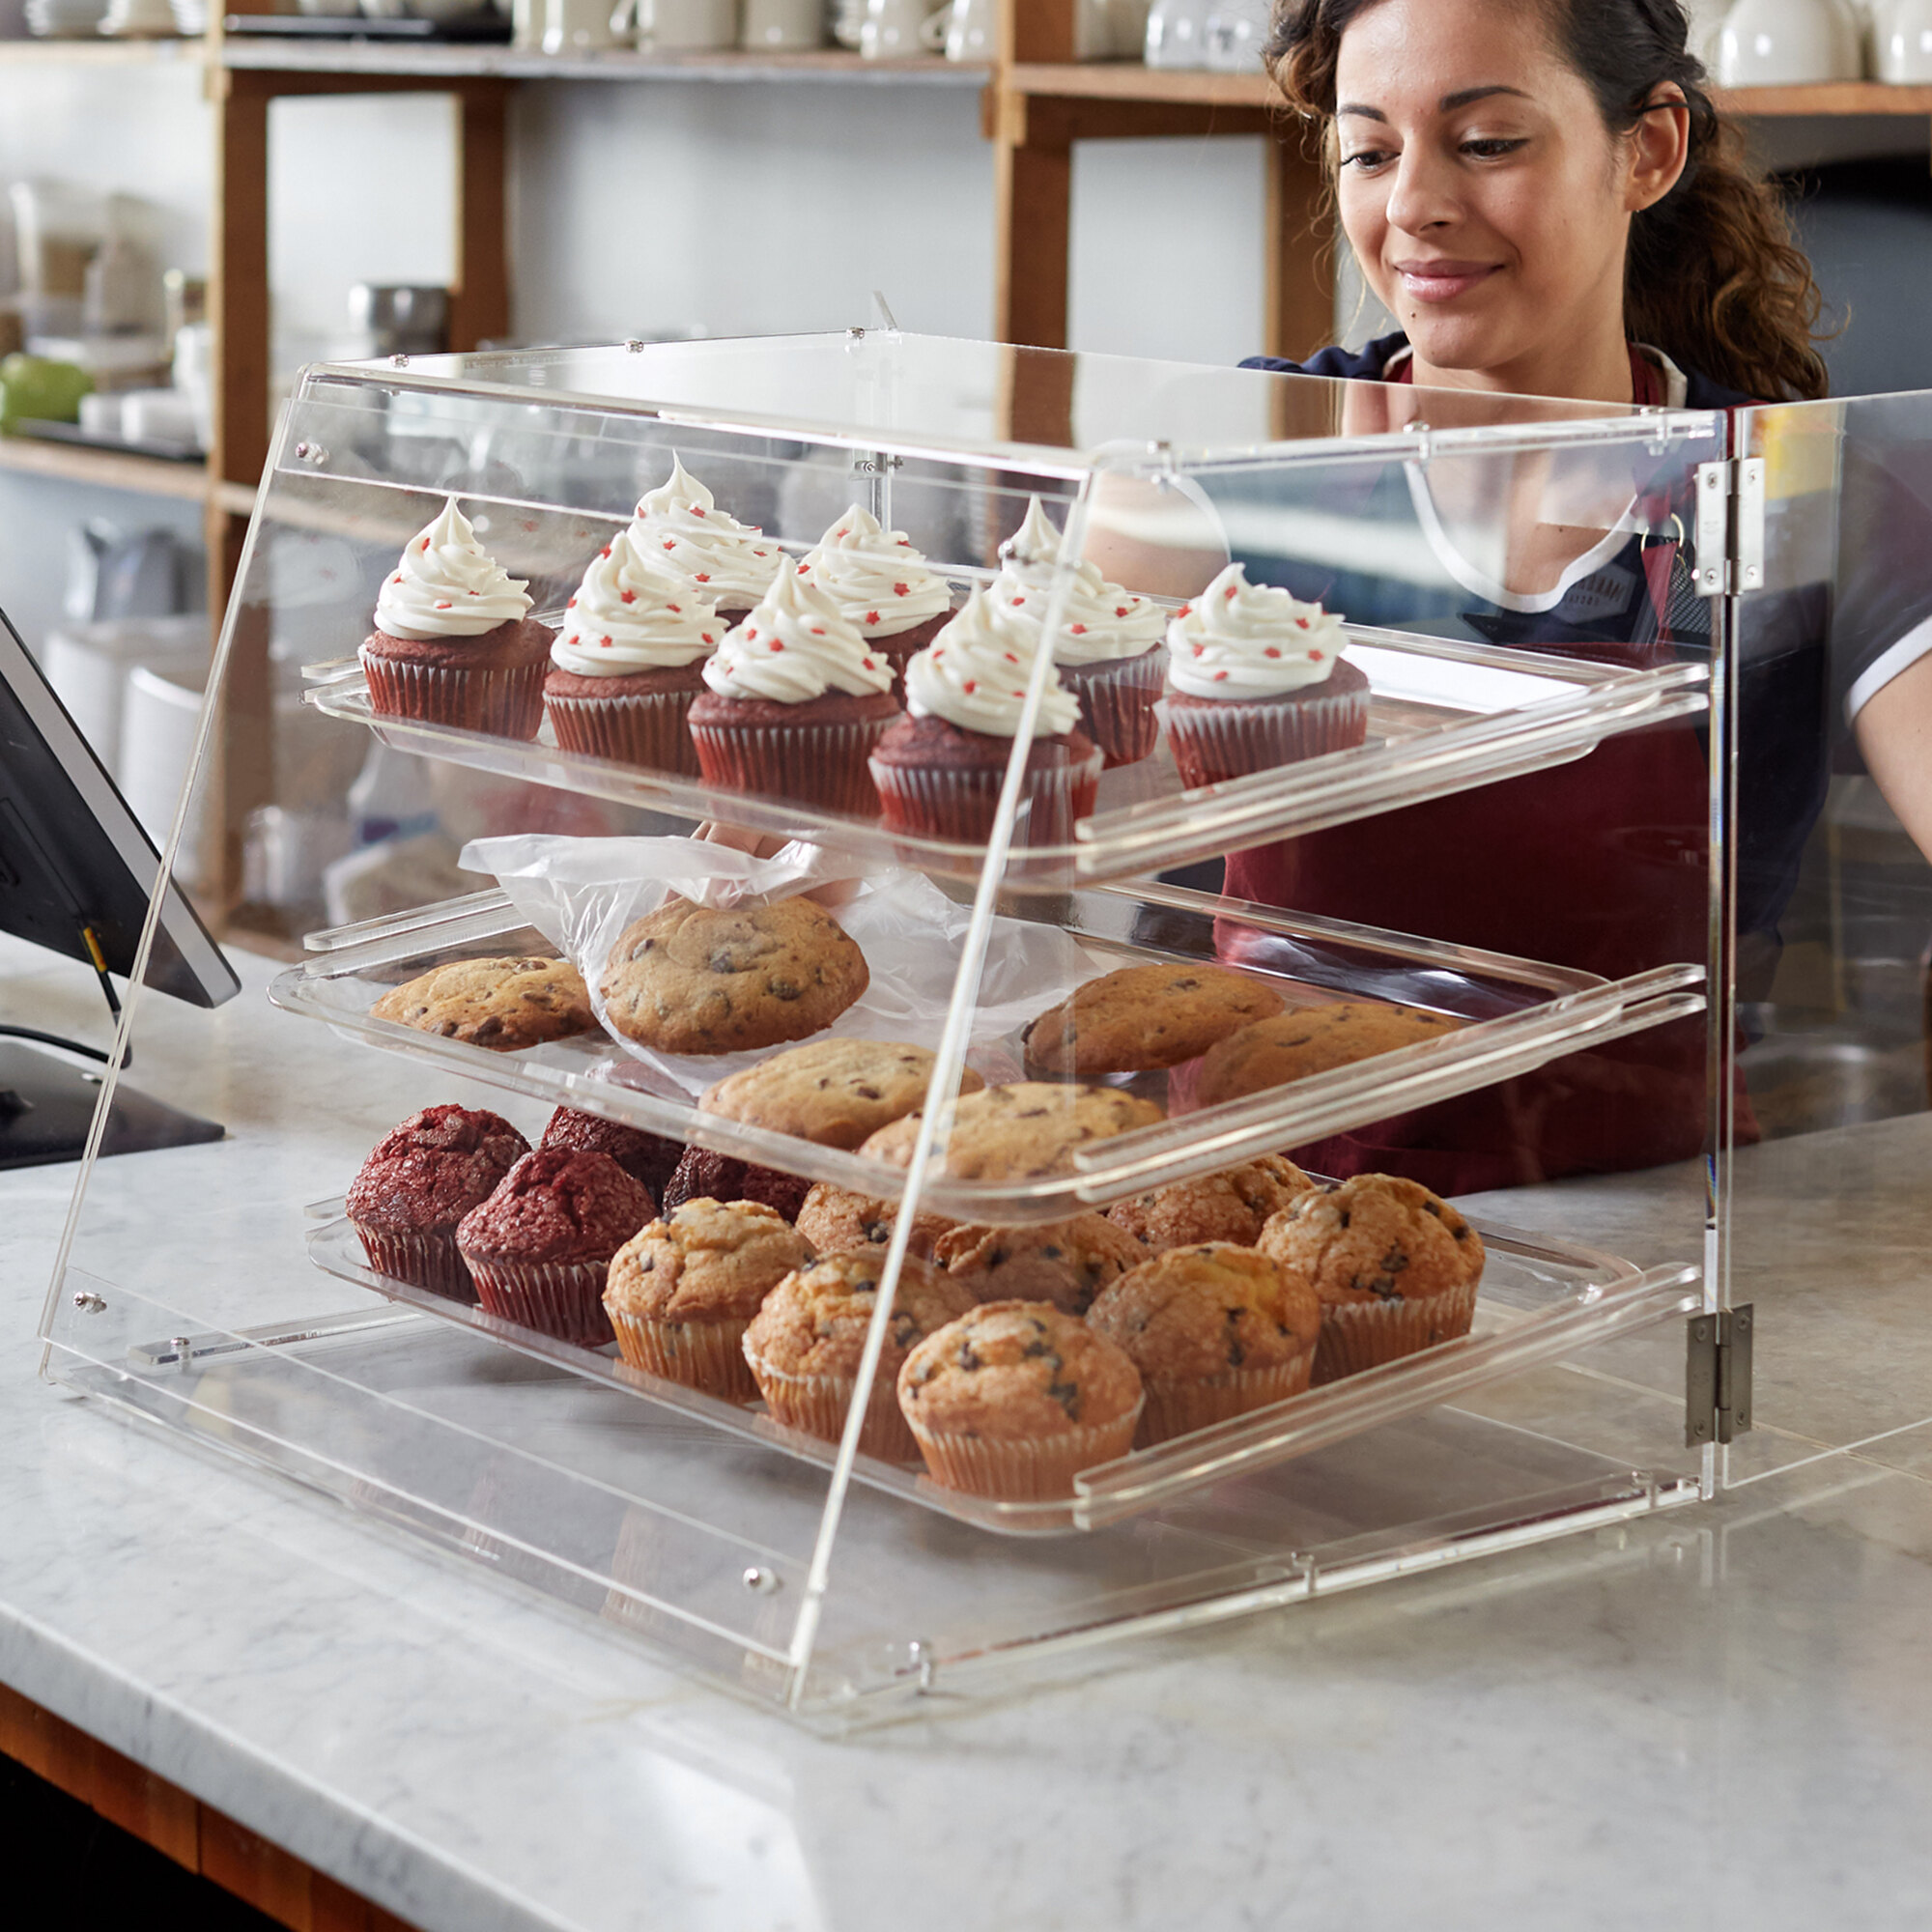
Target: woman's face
{"points": [[1486, 200]]}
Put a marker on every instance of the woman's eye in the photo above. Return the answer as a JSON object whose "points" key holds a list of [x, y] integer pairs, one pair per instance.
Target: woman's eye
{"points": [[1367, 161], [1493, 150]]}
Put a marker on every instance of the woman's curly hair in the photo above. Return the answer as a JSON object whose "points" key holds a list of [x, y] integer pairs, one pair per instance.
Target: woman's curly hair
{"points": [[1714, 278]]}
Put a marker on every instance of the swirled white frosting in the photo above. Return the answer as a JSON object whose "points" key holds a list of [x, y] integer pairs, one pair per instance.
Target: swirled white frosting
{"points": [[794, 648], [628, 616], [1242, 640], [973, 674], [681, 528], [1101, 622], [446, 584], [878, 581]]}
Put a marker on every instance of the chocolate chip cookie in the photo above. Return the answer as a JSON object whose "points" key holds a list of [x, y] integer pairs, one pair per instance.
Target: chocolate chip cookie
{"points": [[501, 1003], [1145, 1017], [690, 979], [1020, 1133], [834, 1092], [1312, 1040]]}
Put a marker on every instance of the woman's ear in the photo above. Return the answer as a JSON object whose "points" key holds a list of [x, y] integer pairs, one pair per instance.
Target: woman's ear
{"points": [[1660, 149]]}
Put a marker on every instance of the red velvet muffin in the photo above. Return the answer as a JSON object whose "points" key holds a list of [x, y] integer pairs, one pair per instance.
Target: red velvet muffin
{"points": [[541, 1245], [702, 1173], [421, 1179], [649, 1158]]}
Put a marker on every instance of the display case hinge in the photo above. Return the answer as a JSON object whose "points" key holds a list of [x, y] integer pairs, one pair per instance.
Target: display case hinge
{"points": [[1730, 528], [1717, 1377]]}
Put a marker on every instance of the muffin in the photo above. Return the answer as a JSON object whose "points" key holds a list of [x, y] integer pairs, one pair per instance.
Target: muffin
{"points": [[880, 586], [702, 979], [940, 769], [503, 1003], [1232, 1206], [796, 701], [648, 1159], [420, 1179], [1310, 1040], [831, 1218], [1259, 680], [1014, 1398], [1395, 1265], [699, 1172], [682, 1291], [1215, 1330], [804, 1343], [1022, 1132], [628, 662], [681, 529], [1067, 1263], [1108, 646], [540, 1245], [1143, 1017], [454, 643], [832, 1091]]}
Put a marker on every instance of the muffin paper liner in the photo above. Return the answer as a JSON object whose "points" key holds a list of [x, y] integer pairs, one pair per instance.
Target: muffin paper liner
{"points": [[816, 764], [424, 1260], [1229, 740], [1117, 704], [560, 1298], [818, 1404], [647, 728], [1025, 1469], [507, 702], [961, 805], [1179, 1407], [707, 1355], [1358, 1335]]}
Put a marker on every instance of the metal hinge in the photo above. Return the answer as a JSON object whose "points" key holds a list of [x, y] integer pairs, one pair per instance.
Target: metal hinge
{"points": [[1717, 1377], [1730, 527]]}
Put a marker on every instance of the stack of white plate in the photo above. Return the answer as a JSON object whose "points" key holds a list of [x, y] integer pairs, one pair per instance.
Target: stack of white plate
{"points": [[64, 19], [190, 15], [139, 19]]}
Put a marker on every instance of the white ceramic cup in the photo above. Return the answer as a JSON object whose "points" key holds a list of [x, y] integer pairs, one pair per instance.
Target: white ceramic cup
{"points": [[774, 24], [896, 29], [1905, 42], [578, 26], [1787, 43], [972, 30], [683, 26]]}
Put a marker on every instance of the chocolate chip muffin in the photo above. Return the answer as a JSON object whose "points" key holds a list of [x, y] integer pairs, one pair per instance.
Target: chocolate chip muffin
{"points": [[689, 979], [1232, 1206], [502, 1003], [700, 1172], [540, 1245], [1067, 1263], [648, 1159], [834, 1092], [420, 1179], [683, 1291], [1215, 1330], [1014, 1398], [1021, 1132], [1145, 1017], [1395, 1265], [804, 1343], [1310, 1040], [833, 1218]]}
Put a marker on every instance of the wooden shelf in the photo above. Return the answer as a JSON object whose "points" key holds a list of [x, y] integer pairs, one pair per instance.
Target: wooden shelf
{"points": [[114, 469], [266, 54], [1845, 99], [102, 52]]}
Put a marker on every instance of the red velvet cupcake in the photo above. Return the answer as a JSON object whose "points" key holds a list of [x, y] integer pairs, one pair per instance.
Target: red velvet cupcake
{"points": [[540, 1247], [648, 1159], [454, 643], [679, 528], [881, 586], [702, 1173], [421, 1179]]}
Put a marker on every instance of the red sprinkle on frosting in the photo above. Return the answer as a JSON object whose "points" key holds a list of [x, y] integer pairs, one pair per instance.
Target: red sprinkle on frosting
{"points": [[969, 686], [630, 597], [1079, 630], [901, 590], [872, 617]]}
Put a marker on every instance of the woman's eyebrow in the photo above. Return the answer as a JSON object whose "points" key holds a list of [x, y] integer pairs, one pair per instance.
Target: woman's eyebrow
{"points": [[1448, 104]]}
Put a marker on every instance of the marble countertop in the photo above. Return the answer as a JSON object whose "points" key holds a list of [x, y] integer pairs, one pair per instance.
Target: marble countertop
{"points": [[1722, 1713]]}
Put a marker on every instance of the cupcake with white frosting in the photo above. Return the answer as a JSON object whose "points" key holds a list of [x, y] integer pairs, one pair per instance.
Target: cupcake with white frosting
{"points": [[628, 660], [940, 769], [454, 643], [1257, 679], [681, 529], [796, 699], [881, 586], [1108, 645]]}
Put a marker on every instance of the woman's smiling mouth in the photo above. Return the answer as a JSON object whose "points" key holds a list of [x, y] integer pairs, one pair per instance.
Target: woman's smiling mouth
{"points": [[1443, 281]]}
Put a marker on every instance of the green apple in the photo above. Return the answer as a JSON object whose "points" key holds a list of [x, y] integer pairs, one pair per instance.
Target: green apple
{"points": [[32, 386]]}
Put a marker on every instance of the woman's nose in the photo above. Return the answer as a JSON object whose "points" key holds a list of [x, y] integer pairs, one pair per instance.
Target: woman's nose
{"points": [[1422, 197]]}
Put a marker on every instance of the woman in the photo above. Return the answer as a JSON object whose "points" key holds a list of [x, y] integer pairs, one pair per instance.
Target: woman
{"points": [[1544, 197]]}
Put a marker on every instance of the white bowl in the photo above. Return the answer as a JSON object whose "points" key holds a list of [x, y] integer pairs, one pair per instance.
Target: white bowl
{"points": [[1787, 43]]}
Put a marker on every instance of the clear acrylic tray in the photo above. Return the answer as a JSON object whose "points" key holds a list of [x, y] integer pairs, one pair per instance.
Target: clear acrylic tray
{"points": [[1445, 715]]}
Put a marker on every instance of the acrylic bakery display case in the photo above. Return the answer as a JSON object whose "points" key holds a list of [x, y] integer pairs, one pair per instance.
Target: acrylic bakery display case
{"points": [[1524, 855]]}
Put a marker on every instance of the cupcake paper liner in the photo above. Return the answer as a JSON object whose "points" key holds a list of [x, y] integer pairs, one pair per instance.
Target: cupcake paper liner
{"points": [[1179, 1407], [1117, 704], [506, 701], [961, 805], [1358, 1335], [560, 1298], [422, 1260], [818, 1405], [647, 728], [1026, 1469], [816, 764], [1230, 739], [706, 1355]]}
